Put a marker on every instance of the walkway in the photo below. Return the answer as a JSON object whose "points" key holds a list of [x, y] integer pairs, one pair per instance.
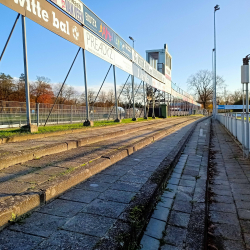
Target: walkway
{"points": [[178, 221], [229, 184]]}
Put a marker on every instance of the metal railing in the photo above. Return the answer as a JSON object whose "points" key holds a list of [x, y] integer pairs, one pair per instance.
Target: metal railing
{"points": [[234, 124], [13, 114]]}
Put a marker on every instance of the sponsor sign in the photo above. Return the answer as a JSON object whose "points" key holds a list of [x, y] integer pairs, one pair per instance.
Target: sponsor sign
{"points": [[229, 106], [49, 17], [123, 63], [94, 23], [96, 46], [138, 59], [72, 7], [167, 73]]}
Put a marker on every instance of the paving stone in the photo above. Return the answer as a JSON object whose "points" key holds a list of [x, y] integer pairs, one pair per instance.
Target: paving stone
{"points": [[232, 232], [62, 208], [142, 173], [80, 195], [166, 202], [243, 204], [68, 240], [222, 207], [238, 197], [180, 196], [244, 214], [117, 195], [169, 247], [97, 186], [187, 183], [155, 228], [188, 190], [40, 224], [171, 187], [182, 206], [222, 217], [173, 181], [160, 213], [133, 178], [245, 226], [149, 243], [168, 194], [179, 219], [247, 240], [108, 208], [188, 177], [175, 235], [223, 199], [104, 178], [18, 241], [222, 192], [90, 224], [126, 186], [233, 245]]}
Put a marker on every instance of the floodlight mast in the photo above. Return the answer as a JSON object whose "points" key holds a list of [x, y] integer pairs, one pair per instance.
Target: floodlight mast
{"points": [[245, 79], [216, 7]]}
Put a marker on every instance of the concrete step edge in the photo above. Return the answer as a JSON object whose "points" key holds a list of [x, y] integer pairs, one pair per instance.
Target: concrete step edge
{"points": [[22, 204]]}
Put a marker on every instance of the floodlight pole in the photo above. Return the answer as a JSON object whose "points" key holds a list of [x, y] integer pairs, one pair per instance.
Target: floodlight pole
{"points": [[144, 101], [245, 79], [25, 57], [215, 103]]}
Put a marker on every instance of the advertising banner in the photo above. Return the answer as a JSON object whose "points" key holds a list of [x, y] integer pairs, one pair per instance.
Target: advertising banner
{"points": [[99, 48], [96, 46], [138, 59], [95, 24], [49, 17], [123, 63], [72, 7]]}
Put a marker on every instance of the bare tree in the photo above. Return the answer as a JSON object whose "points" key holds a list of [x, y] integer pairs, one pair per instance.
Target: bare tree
{"points": [[67, 94], [91, 96], [202, 85], [236, 95], [111, 96], [102, 98]]}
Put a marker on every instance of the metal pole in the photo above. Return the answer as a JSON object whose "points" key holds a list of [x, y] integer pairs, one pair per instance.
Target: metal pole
{"points": [[116, 103], [87, 122], [27, 91], [213, 80], [242, 122], [144, 101], [6, 44], [247, 121], [133, 96], [37, 114]]}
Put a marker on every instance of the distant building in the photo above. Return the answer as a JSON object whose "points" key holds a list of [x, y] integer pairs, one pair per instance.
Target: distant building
{"points": [[161, 60]]}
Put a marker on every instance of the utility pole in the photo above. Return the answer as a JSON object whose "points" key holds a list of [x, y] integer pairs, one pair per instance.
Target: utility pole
{"points": [[215, 103]]}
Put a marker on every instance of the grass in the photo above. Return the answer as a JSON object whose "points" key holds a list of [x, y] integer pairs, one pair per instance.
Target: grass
{"points": [[8, 133]]}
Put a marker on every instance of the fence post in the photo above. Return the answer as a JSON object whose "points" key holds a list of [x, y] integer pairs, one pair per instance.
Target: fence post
{"points": [[37, 114], [71, 113]]}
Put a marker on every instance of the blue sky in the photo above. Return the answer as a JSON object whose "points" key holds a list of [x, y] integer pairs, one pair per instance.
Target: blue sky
{"points": [[186, 26]]}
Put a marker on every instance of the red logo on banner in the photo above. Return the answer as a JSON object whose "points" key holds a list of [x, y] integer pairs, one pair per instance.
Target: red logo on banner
{"points": [[105, 33]]}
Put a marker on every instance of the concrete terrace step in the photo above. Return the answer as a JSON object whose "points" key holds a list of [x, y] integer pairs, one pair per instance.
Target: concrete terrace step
{"points": [[19, 152], [96, 214], [26, 186]]}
